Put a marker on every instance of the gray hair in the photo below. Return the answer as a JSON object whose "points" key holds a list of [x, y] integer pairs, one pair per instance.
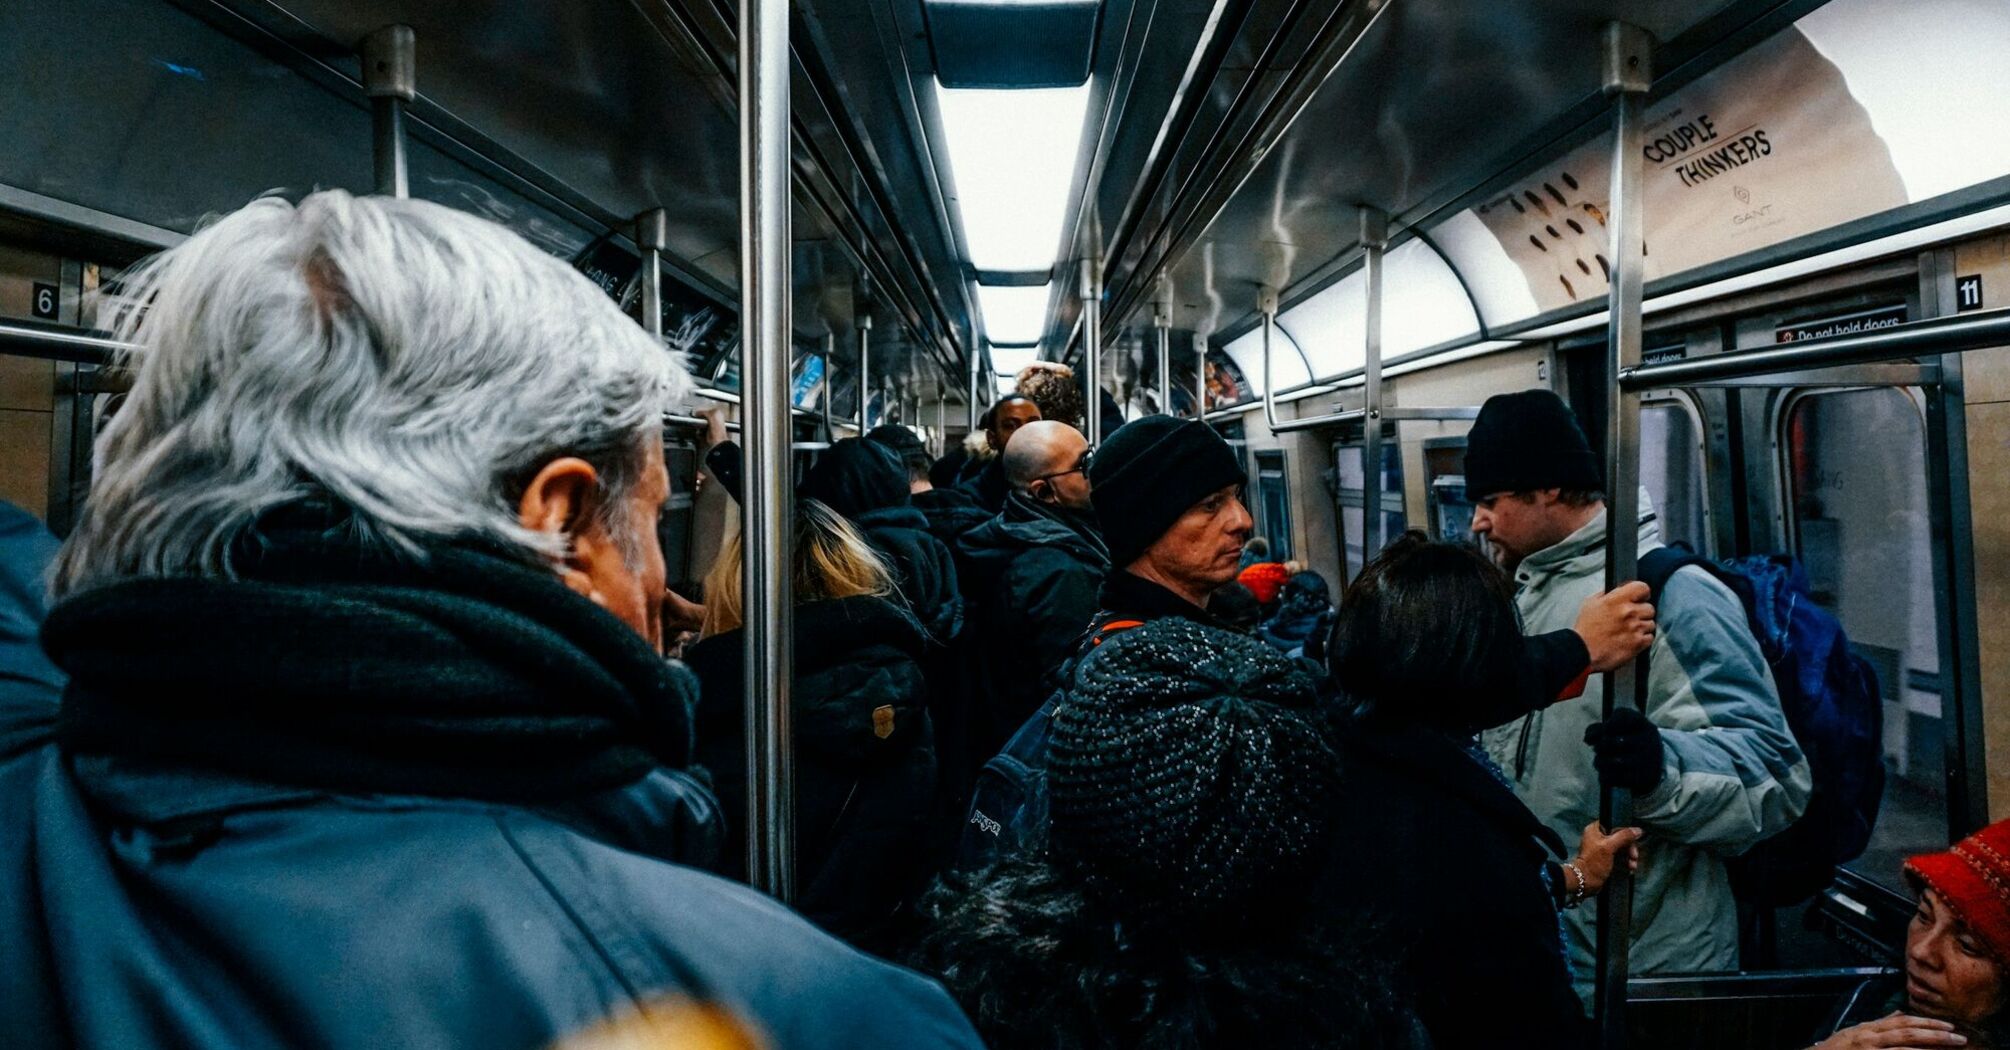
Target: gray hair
{"points": [[411, 363]]}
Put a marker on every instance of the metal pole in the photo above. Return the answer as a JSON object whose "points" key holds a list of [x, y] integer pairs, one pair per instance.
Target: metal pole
{"points": [[1199, 376], [941, 420], [652, 235], [830, 382], [1628, 74], [976, 363], [765, 246], [1162, 321], [1374, 240], [864, 369], [390, 78], [1092, 351]]}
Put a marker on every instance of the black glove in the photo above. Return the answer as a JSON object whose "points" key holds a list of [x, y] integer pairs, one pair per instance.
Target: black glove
{"points": [[1626, 751]]}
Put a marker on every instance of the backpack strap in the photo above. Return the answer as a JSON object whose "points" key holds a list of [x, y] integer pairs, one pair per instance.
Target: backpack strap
{"points": [[1657, 566], [1113, 627]]}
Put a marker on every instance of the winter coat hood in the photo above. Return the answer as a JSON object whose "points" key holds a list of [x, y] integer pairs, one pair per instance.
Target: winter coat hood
{"points": [[854, 476]]}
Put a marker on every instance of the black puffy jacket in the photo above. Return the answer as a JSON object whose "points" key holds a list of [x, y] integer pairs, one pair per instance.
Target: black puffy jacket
{"points": [[951, 512], [865, 759], [1032, 574]]}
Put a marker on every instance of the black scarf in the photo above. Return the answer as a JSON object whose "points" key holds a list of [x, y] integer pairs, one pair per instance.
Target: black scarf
{"points": [[472, 674]]}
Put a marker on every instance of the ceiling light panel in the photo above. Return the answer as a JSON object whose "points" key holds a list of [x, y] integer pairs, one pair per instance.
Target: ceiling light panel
{"points": [[1012, 156], [1008, 360], [1013, 314]]}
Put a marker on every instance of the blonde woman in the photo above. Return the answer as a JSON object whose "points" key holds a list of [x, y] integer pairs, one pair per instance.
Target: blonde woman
{"points": [[864, 748]]}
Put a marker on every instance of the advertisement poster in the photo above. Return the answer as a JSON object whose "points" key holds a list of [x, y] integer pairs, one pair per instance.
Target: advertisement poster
{"points": [[1767, 148], [1226, 384]]}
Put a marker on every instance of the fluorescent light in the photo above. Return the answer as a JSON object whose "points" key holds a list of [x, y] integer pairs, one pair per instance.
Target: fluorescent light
{"points": [[1003, 385], [1009, 360], [1013, 314], [1012, 154]]}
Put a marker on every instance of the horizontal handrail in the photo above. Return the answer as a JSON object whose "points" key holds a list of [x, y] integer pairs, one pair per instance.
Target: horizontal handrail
{"points": [[81, 347], [1919, 339]]}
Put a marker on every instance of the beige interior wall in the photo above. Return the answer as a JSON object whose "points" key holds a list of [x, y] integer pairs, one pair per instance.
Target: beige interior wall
{"points": [[27, 414], [1986, 376], [1461, 383]]}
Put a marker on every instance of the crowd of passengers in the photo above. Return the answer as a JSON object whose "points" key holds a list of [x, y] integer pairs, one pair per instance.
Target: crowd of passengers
{"points": [[343, 717]]}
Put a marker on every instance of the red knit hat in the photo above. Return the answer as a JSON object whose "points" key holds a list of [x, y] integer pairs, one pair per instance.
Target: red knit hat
{"points": [[1973, 879], [1264, 579]]}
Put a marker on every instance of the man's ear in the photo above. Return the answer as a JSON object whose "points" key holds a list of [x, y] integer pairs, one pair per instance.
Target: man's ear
{"points": [[559, 502], [1547, 497]]}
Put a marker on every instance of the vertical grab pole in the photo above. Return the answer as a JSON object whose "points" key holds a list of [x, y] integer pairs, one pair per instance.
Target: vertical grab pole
{"points": [[970, 403], [652, 235], [765, 248], [1162, 323], [1092, 352], [864, 370], [830, 383], [391, 79], [941, 420], [1374, 241], [1199, 376], [1628, 74]]}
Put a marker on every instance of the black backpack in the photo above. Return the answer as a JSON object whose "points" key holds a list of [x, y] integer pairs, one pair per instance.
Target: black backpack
{"points": [[1833, 706]]}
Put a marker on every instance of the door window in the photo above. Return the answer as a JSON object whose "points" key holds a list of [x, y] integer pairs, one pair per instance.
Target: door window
{"points": [[1273, 503], [1855, 472], [1352, 497], [1671, 467]]}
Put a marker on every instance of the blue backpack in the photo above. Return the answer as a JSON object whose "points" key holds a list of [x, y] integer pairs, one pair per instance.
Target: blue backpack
{"points": [[1833, 706]]}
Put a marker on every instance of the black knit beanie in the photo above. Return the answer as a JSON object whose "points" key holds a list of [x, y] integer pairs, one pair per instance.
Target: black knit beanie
{"points": [[1189, 776], [1147, 473], [1526, 441]]}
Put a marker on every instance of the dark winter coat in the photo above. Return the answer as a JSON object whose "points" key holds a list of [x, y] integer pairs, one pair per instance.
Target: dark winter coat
{"points": [[986, 483], [865, 758], [1032, 574], [951, 512], [1432, 849], [26, 553], [172, 878]]}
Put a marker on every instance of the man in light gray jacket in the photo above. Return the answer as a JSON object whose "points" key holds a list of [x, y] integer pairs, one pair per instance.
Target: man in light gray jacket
{"points": [[1712, 764]]}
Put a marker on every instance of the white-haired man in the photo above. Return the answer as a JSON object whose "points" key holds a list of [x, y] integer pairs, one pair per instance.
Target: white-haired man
{"points": [[367, 741]]}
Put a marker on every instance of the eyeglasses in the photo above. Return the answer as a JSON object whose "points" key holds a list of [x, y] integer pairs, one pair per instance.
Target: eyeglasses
{"points": [[1080, 467]]}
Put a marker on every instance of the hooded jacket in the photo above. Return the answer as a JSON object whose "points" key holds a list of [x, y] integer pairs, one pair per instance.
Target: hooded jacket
{"points": [[1032, 573], [865, 759], [159, 894], [951, 512], [865, 484], [1733, 772]]}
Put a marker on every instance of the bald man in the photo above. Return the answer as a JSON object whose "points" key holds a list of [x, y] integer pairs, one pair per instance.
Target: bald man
{"points": [[1030, 579]]}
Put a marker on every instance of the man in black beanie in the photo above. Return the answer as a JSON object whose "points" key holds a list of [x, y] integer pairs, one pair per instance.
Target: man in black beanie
{"points": [[1711, 763], [1167, 493]]}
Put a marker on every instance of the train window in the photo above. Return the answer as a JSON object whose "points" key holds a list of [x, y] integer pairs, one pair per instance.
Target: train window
{"points": [[1855, 471], [1352, 498], [1671, 468], [1273, 503]]}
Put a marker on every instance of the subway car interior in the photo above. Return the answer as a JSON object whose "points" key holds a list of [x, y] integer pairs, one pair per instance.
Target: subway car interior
{"points": [[1761, 248]]}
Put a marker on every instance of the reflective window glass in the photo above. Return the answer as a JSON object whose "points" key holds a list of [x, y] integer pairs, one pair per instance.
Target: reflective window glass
{"points": [[1856, 476], [1273, 503], [1671, 468], [1347, 458]]}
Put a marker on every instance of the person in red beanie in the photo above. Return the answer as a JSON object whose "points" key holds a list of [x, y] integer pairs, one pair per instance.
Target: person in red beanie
{"points": [[1265, 579], [1955, 953]]}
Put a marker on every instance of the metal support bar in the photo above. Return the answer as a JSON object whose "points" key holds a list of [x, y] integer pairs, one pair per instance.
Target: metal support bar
{"points": [[764, 310], [652, 235], [1628, 74], [1162, 323], [1974, 331], [19, 340], [676, 420], [830, 383], [390, 78], [941, 420], [970, 404], [864, 370], [1092, 351], [1374, 242]]}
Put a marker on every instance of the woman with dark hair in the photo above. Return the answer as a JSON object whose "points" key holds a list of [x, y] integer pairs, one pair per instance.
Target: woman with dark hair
{"points": [[1465, 881], [1957, 949], [1190, 781]]}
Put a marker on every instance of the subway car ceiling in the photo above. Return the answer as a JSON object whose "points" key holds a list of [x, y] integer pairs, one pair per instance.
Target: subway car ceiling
{"points": [[1218, 151]]}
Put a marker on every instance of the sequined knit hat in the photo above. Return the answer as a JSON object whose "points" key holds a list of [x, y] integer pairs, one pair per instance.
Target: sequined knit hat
{"points": [[1189, 775]]}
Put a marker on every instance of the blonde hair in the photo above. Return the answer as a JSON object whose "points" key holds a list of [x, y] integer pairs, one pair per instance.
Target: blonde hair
{"points": [[831, 560]]}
